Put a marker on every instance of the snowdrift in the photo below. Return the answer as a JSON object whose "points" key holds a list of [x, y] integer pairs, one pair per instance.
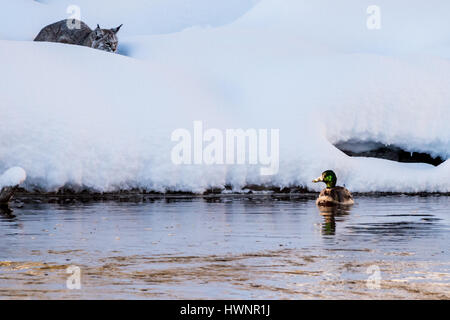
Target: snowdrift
{"points": [[78, 117], [12, 177]]}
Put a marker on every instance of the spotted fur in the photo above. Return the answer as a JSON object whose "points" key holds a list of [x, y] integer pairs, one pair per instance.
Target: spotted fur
{"points": [[78, 33]]}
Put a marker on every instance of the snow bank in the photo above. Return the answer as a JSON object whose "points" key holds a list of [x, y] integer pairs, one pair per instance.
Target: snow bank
{"points": [[12, 177], [80, 117], [406, 25], [22, 19]]}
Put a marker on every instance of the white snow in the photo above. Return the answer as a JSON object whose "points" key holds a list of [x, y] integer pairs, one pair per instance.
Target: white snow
{"points": [[81, 117], [12, 177]]}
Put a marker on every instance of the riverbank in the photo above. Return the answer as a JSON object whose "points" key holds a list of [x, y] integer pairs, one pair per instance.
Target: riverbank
{"points": [[67, 196]]}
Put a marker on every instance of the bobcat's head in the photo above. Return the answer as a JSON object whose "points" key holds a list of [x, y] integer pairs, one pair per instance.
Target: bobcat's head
{"points": [[105, 39]]}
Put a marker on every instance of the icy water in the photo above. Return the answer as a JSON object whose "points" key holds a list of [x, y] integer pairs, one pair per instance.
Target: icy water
{"points": [[228, 248]]}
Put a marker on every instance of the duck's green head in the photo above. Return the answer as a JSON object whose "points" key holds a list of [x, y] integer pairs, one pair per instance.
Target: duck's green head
{"points": [[329, 177]]}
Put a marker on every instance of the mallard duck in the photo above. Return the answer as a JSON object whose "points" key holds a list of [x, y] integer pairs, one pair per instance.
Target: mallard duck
{"points": [[332, 195]]}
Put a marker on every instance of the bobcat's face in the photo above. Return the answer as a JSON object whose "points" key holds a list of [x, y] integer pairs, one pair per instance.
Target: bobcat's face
{"points": [[105, 39]]}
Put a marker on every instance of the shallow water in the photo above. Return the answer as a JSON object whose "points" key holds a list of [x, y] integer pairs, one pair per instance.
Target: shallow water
{"points": [[230, 247]]}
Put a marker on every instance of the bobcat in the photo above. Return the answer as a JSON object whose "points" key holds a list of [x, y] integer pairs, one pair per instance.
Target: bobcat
{"points": [[73, 31]]}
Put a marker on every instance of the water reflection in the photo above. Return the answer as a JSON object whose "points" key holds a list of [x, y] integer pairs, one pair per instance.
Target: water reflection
{"points": [[329, 214], [225, 247], [6, 212], [398, 229]]}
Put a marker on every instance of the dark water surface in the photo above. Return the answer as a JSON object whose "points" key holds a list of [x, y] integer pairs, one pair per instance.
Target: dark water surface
{"points": [[231, 247]]}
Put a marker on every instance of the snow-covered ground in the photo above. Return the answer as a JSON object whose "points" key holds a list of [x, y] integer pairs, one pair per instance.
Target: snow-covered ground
{"points": [[12, 177], [312, 69]]}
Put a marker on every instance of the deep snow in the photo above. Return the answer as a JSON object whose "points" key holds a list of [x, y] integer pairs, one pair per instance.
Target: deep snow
{"points": [[12, 177], [81, 117]]}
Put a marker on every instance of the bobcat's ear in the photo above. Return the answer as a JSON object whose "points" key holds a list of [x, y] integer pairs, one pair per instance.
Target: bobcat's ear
{"points": [[115, 30], [98, 31]]}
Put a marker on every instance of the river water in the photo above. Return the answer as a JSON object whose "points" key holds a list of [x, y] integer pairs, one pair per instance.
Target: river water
{"points": [[233, 247]]}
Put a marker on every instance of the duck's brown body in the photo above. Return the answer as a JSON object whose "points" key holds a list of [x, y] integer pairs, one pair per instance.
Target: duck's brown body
{"points": [[335, 196]]}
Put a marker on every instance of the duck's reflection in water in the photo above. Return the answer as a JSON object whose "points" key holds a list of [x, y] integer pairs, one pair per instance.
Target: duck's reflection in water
{"points": [[329, 214]]}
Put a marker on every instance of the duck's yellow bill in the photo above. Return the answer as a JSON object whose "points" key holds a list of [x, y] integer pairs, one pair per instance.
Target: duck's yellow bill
{"points": [[319, 179]]}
